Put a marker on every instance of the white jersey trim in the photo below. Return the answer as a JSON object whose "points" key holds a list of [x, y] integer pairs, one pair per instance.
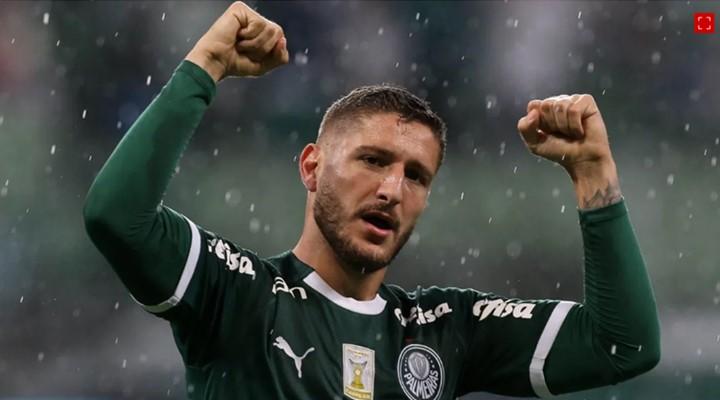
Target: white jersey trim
{"points": [[367, 307], [545, 343], [187, 274]]}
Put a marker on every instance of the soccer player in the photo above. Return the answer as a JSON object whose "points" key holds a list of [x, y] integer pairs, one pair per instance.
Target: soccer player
{"points": [[317, 321]]}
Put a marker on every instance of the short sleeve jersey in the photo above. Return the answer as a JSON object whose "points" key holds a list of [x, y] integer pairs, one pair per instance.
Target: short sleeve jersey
{"points": [[271, 328]]}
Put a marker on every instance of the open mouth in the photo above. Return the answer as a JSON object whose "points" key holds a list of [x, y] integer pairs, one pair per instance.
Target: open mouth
{"points": [[379, 220]]}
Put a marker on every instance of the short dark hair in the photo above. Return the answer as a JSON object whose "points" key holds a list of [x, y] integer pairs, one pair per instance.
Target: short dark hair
{"points": [[386, 98]]}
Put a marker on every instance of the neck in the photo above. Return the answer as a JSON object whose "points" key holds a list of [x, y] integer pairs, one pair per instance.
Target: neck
{"points": [[316, 252]]}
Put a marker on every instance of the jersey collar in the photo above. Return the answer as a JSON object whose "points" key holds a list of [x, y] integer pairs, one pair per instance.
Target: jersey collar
{"points": [[367, 307]]}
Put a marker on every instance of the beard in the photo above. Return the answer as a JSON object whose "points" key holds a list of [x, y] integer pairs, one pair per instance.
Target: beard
{"points": [[328, 212]]}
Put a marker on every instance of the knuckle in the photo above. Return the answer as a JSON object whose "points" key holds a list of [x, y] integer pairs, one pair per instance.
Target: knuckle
{"points": [[546, 105]]}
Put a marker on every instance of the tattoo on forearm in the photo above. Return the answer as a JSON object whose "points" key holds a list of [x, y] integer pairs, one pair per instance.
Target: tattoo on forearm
{"points": [[603, 197]]}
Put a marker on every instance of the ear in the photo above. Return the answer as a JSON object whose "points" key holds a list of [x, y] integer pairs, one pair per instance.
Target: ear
{"points": [[308, 164]]}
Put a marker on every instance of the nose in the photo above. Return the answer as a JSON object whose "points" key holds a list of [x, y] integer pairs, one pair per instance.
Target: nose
{"points": [[390, 189]]}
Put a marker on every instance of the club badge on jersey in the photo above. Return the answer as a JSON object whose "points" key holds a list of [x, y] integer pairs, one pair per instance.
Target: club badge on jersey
{"points": [[420, 372], [358, 372]]}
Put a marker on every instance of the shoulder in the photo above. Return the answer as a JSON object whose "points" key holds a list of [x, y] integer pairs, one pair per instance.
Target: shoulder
{"points": [[233, 257]]}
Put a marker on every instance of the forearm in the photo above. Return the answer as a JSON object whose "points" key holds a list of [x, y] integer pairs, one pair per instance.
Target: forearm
{"points": [[147, 245], [132, 182], [615, 334], [596, 184]]}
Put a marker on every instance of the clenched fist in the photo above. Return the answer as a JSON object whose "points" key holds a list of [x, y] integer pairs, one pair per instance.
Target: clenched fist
{"points": [[566, 129], [240, 43], [570, 131]]}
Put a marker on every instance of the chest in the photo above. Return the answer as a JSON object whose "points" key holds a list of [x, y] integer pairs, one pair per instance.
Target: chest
{"points": [[306, 347]]}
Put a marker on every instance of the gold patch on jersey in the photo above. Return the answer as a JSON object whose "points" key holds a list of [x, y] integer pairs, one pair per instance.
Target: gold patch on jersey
{"points": [[358, 372]]}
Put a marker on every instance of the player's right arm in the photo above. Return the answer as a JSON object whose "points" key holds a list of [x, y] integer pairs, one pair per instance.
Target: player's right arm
{"points": [[149, 245]]}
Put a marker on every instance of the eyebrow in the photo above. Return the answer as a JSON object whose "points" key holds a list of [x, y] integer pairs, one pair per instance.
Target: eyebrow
{"points": [[413, 163]]}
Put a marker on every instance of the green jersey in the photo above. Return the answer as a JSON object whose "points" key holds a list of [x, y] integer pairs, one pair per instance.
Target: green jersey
{"points": [[249, 327]]}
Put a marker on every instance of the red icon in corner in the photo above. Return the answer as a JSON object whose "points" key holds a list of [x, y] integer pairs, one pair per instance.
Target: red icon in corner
{"points": [[704, 22]]}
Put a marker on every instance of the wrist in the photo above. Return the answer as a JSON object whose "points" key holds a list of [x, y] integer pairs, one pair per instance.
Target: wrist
{"points": [[596, 183], [211, 65]]}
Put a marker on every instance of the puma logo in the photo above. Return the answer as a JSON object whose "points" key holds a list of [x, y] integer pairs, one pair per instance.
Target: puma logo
{"points": [[283, 345]]}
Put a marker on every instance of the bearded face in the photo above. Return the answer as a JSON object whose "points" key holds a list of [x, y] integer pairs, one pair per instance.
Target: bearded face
{"points": [[372, 187], [336, 223]]}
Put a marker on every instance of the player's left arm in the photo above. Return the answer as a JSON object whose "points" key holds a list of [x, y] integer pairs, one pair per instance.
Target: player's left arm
{"points": [[614, 335]]}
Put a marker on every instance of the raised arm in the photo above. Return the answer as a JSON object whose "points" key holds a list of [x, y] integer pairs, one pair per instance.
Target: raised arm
{"points": [[614, 335], [148, 244], [546, 347]]}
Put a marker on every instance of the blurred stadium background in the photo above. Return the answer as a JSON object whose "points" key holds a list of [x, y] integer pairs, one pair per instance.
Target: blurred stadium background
{"points": [[75, 75]]}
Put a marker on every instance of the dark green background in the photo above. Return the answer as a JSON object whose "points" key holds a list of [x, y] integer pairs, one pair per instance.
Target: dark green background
{"points": [[499, 219]]}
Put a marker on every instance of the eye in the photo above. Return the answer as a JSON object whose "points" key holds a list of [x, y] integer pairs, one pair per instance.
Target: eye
{"points": [[372, 160], [415, 176]]}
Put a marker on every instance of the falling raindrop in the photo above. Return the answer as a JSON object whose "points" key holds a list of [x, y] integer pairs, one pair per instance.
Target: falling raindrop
{"points": [[46, 18], [381, 30], [655, 57], [162, 18], [301, 59], [613, 349], [670, 179], [562, 209], [40, 356], [254, 225], [687, 127], [84, 113], [148, 80], [52, 149]]}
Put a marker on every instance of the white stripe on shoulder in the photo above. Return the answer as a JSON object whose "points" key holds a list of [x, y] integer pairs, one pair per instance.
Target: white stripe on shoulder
{"points": [[545, 343], [187, 274]]}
